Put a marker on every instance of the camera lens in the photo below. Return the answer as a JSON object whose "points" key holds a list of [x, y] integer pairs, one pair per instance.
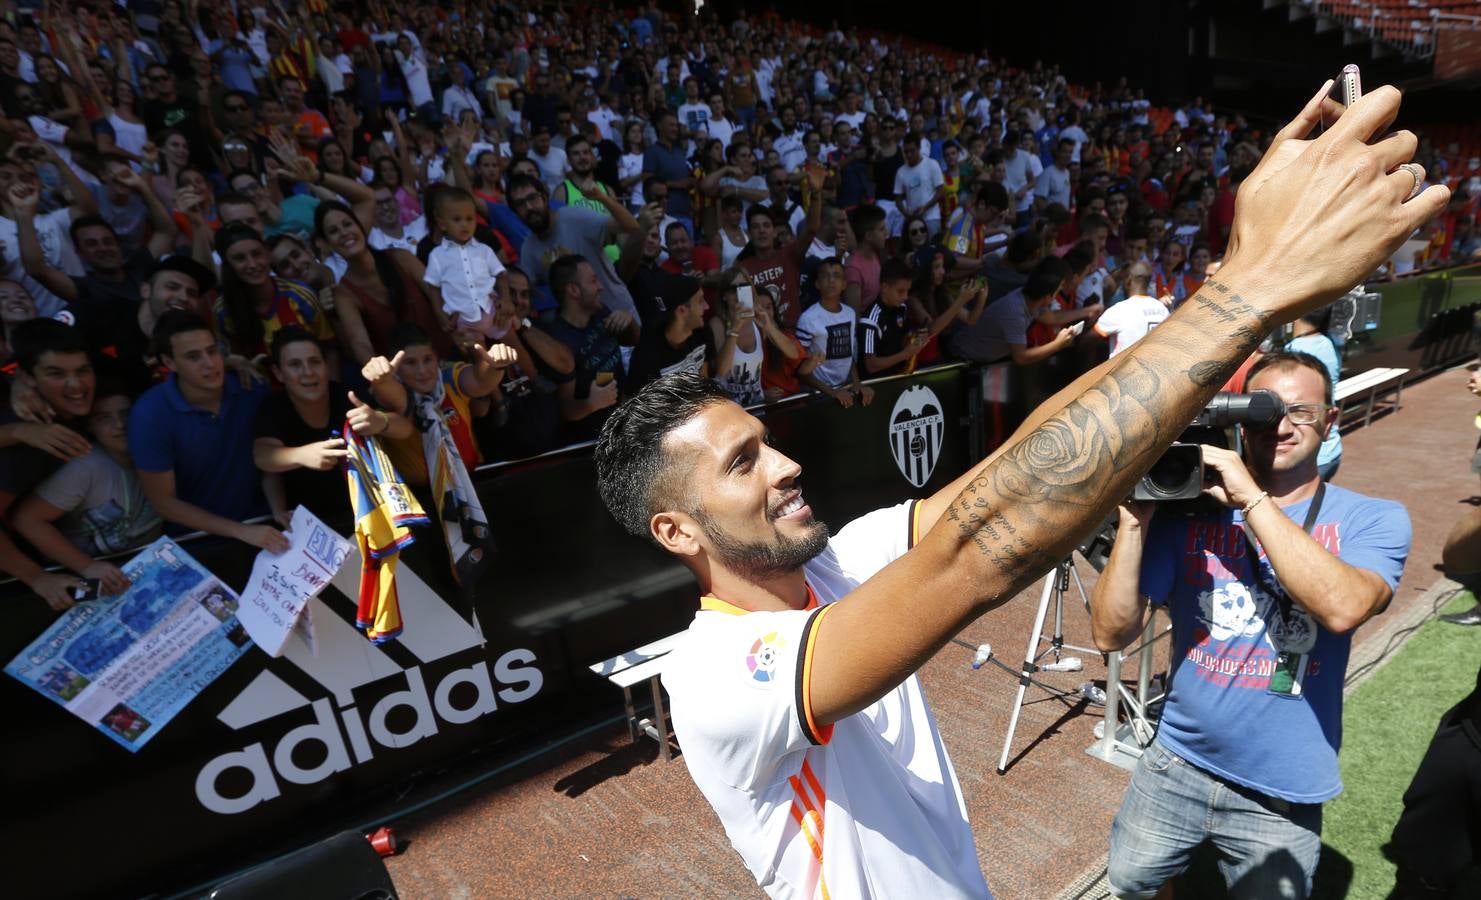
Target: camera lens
{"points": [[1170, 473]]}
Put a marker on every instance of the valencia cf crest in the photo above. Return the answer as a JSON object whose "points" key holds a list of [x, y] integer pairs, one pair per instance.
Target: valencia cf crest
{"points": [[917, 428]]}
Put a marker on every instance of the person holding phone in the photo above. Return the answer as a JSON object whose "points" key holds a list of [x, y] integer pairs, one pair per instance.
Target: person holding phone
{"points": [[794, 691], [748, 324]]}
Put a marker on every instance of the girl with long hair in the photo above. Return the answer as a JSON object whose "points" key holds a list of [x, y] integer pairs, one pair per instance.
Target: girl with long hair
{"points": [[254, 303]]}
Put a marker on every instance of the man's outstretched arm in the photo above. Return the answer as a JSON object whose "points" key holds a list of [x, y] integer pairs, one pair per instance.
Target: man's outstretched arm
{"points": [[1314, 218]]}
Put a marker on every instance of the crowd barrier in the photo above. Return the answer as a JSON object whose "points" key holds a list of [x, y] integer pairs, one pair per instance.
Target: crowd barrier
{"points": [[279, 752]]}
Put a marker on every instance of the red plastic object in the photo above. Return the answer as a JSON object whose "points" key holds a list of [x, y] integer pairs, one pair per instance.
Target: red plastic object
{"points": [[383, 839]]}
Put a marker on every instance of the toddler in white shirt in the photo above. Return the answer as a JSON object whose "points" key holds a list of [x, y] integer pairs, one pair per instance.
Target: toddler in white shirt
{"points": [[464, 274]]}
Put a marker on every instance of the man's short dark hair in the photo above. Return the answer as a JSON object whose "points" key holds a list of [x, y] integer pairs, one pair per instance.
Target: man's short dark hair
{"points": [[35, 337], [289, 334], [1289, 359], [1079, 257], [563, 273], [894, 270], [520, 180], [667, 232], [635, 475], [864, 218], [233, 198], [1022, 247], [89, 221], [994, 195], [575, 140], [1095, 222], [408, 334], [171, 323], [1042, 282], [760, 209]]}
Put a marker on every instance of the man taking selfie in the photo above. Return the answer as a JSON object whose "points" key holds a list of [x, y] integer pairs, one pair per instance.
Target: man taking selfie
{"points": [[794, 691]]}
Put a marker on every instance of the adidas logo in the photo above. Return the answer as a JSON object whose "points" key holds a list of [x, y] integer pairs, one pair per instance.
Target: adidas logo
{"points": [[345, 661]]}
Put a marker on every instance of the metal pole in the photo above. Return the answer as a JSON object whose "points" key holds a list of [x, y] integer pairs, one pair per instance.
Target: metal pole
{"points": [[1107, 746], [1029, 666], [1144, 673]]}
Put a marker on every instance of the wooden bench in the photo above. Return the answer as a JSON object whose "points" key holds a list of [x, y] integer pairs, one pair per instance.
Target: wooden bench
{"points": [[1366, 388], [632, 668]]}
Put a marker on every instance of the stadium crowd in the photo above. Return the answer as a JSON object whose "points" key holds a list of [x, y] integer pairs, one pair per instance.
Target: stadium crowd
{"points": [[232, 231]]}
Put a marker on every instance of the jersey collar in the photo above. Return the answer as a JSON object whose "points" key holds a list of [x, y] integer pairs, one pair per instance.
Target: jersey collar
{"points": [[715, 604]]}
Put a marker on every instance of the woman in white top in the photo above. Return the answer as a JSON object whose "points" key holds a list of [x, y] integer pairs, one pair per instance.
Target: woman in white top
{"points": [[129, 132], [753, 335], [630, 166], [730, 238]]}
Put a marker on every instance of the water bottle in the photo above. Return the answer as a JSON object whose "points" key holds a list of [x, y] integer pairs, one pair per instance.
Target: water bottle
{"points": [[984, 652], [1068, 664], [1089, 691]]}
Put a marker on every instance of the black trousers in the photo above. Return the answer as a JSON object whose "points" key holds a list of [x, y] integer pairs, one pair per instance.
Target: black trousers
{"points": [[1438, 836]]}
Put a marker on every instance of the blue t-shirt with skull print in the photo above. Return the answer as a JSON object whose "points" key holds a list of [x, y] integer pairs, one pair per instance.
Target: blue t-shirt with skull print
{"points": [[1256, 692]]}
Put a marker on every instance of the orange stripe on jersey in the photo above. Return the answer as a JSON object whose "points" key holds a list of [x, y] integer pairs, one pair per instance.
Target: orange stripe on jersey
{"points": [[812, 782], [813, 816], [802, 821], [914, 523], [820, 735]]}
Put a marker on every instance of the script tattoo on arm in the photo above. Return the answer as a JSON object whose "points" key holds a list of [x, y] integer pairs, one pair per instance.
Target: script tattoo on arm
{"points": [[1250, 323], [1025, 510]]}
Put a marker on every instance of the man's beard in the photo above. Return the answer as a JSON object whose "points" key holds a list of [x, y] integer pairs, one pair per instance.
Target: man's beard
{"points": [[760, 560]]}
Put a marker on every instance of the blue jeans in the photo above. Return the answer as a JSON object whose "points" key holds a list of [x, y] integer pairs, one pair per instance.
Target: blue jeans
{"points": [[1266, 847]]}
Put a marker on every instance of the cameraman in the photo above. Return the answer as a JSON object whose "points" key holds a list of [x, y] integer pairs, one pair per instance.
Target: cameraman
{"points": [[1263, 596]]}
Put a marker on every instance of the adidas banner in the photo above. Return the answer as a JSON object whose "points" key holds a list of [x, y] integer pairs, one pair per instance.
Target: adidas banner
{"points": [[276, 753]]}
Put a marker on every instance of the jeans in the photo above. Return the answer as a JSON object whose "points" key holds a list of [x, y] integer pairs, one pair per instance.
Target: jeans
{"points": [[1267, 847]]}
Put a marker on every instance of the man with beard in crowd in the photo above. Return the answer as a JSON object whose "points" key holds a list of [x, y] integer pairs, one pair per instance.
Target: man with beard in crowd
{"points": [[571, 230]]}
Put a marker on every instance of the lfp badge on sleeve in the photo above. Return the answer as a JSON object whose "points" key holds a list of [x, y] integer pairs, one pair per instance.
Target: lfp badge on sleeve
{"points": [[917, 428]]}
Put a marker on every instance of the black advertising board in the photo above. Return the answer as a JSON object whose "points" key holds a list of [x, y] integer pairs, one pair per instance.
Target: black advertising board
{"points": [[278, 752]]}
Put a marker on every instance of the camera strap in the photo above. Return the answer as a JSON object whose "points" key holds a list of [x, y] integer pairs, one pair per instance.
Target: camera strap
{"points": [[1279, 593]]}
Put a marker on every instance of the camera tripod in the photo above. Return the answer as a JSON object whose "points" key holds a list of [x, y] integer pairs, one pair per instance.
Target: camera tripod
{"points": [[1056, 585]]}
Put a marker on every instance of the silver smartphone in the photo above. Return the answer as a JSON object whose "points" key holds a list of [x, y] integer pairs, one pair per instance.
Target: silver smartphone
{"points": [[1349, 86], [1346, 89], [745, 299]]}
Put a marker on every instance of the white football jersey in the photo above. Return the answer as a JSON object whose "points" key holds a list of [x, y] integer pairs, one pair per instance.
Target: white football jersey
{"points": [[867, 807]]}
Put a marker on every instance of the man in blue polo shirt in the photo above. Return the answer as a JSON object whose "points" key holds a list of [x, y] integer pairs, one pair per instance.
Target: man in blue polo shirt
{"points": [[191, 439], [668, 158]]}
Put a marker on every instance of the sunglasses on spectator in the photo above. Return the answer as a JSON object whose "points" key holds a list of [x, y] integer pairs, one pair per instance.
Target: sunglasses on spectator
{"points": [[917, 231]]}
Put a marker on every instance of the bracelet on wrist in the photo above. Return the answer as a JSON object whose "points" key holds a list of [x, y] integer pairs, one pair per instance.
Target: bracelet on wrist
{"points": [[1255, 502]]}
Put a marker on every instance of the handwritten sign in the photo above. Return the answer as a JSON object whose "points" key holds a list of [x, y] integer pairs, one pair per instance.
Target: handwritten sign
{"points": [[128, 663], [275, 601]]}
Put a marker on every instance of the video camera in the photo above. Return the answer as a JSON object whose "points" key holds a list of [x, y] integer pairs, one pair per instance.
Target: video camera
{"points": [[1178, 474]]}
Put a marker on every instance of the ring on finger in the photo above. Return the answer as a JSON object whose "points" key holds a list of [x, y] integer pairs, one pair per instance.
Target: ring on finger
{"points": [[1417, 171]]}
